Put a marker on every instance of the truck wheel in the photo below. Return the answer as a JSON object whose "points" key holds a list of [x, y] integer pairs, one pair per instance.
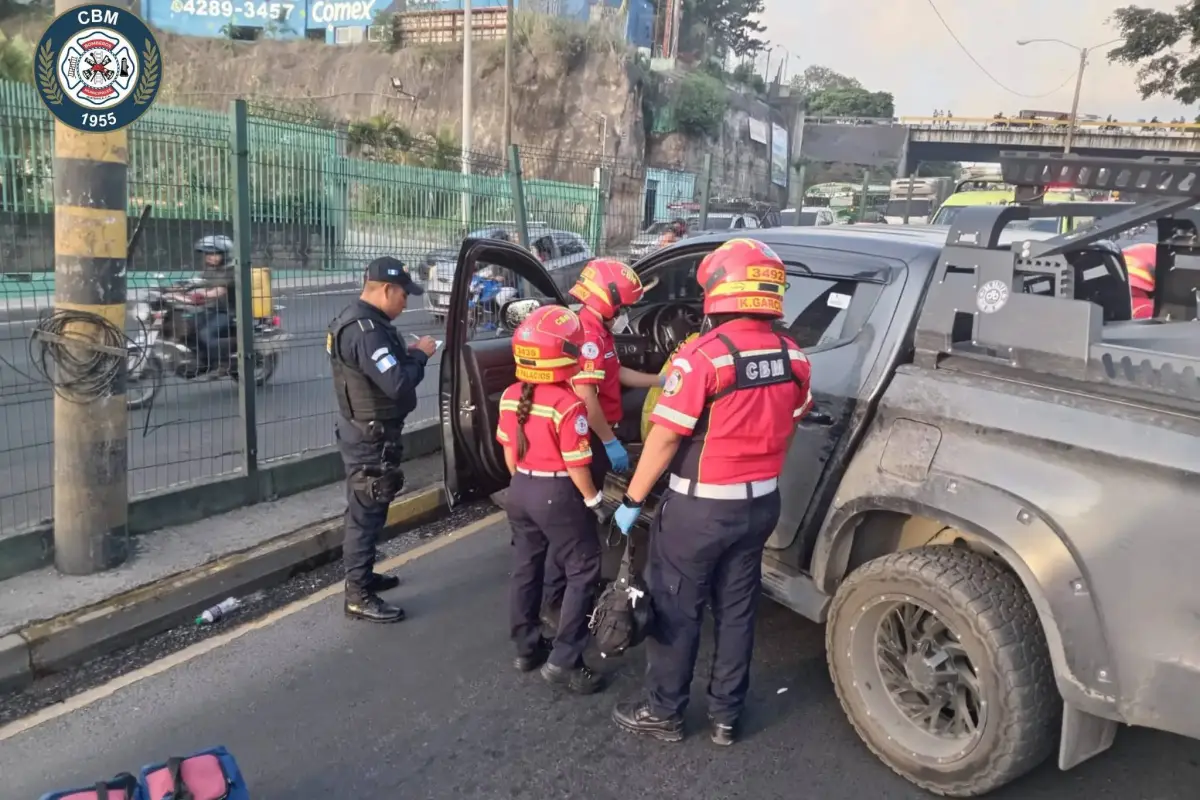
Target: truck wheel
{"points": [[941, 664]]}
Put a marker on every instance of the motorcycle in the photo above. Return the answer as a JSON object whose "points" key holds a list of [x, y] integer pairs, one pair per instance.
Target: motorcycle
{"points": [[488, 295], [165, 343]]}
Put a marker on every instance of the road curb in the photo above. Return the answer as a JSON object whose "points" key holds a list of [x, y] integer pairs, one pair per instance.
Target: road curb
{"points": [[51, 645]]}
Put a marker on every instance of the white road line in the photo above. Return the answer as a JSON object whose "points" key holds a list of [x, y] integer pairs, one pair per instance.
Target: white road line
{"points": [[91, 696]]}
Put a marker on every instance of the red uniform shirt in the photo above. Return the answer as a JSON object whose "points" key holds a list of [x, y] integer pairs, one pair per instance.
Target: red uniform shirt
{"points": [[742, 435], [599, 366], [556, 431]]}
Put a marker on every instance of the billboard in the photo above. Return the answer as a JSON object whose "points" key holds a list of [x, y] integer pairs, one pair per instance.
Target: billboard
{"points": [[292, 19], [779, 155]]}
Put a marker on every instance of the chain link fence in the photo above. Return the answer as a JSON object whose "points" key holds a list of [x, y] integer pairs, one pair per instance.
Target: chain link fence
{"points": [[320, 201]]}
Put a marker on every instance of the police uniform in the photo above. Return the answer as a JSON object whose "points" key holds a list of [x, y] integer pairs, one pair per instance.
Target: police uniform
{"points": [[736, 395], [548, 516], [375, 377]]}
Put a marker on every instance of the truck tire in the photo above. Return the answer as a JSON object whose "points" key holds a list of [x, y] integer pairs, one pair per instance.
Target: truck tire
{"points": [[941, 665]]}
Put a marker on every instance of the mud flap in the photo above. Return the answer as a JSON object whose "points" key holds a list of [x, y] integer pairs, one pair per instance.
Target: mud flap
{"points": [[1084, 735]]}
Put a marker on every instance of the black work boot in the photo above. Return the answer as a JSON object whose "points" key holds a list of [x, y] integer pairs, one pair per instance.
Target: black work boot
{"points": [[381, 583], [723, 733], [581, 680], [531, 661], [371, 607], [635, 716]]}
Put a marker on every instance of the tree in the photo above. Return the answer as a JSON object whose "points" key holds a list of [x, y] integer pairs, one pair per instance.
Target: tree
{"points": [[16, 59], [851, 103], [1166, 47], [717, 27], [818, 79], [701, 105]]}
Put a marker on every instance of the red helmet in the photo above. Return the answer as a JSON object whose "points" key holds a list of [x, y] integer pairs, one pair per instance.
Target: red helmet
{"points": [[1139, 262], [546, 345], [606, 285], [742, 276]]}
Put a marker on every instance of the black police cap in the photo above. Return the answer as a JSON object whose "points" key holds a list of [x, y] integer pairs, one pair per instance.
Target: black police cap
{"points": [[391, 270]]}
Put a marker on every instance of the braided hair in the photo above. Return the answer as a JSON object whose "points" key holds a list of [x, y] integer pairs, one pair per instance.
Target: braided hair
{"points": [[524, 409]]}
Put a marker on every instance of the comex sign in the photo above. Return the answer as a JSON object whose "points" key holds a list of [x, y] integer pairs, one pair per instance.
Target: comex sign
{"points": [[325, 12]]}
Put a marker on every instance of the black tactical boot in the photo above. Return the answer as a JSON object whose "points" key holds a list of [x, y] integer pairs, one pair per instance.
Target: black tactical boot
{"points": [[581, 680], [381, 583], [635, 716], [531, 661], [723, 733], [372, 608]]}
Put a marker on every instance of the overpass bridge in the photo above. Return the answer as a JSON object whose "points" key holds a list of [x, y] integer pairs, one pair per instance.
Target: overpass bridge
{"points": [[911, 140]]}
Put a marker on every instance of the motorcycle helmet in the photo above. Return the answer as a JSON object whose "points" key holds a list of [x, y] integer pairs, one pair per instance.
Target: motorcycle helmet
{"points": [[216, 244]]}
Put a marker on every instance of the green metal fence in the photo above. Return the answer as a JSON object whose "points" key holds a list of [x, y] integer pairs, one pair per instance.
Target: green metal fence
{"points": [[319, 210]]}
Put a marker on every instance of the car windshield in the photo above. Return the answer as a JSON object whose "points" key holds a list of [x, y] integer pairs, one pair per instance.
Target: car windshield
{"points": [[716, 223], [657, 228], [805, 218], [946, 214], [916, 208]]}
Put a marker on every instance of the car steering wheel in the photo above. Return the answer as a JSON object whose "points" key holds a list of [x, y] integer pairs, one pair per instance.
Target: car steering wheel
{"points": [[673, 323]]}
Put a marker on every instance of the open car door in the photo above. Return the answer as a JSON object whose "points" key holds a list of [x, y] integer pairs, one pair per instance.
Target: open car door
{"points": [[478, 366]]}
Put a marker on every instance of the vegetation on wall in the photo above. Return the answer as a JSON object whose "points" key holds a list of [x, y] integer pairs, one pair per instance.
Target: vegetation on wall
{"points": [[831, 94], [701, 103], [383, 138], [16, 58]]}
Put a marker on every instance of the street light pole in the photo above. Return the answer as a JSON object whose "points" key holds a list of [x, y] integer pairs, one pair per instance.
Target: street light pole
{"points": [[467, 112], [508, 77], [1083, 62]]}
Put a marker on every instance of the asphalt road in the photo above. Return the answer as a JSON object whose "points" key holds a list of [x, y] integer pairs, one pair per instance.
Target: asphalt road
{"points": [[192, 431], [316, 706]]}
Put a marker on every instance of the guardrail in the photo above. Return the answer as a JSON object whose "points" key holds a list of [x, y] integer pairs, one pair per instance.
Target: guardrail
{"points": [[1091, 126]]}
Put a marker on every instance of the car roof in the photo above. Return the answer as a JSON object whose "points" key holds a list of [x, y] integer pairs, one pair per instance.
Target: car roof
{"points": [[904, 242]]}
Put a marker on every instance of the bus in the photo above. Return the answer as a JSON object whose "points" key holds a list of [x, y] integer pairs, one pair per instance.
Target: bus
{"points": [[843, 199]]}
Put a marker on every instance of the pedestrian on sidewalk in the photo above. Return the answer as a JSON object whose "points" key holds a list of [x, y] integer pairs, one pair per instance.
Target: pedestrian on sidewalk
{"points": [[375, 378], [543, 429]]}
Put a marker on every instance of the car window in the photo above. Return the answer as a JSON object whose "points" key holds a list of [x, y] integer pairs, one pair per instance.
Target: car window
{"points": [[492, 287], [739, 223], [816, 310], [751, 222]]}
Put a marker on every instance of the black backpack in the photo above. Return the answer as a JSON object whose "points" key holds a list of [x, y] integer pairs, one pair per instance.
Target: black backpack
{"points": [[623, 614]]}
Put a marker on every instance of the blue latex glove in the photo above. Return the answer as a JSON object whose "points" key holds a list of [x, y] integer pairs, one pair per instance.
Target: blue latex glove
{"points": [[618, 456], [625, 517]]}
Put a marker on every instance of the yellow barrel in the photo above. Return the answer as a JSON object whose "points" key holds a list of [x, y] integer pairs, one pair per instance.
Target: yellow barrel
{"points": [[260, 291]]}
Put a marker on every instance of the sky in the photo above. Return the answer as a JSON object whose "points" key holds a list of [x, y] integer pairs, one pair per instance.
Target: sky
{"points": [[899, 46]]}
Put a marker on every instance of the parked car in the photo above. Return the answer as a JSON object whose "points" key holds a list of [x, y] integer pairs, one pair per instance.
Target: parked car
{"points": [[991, 506], [807, 215], [563, 253]]}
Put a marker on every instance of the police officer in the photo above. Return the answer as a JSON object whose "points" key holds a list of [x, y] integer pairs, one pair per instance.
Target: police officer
{"points": [[543, 429], [605, 288], [375, 378], [722, 427]]}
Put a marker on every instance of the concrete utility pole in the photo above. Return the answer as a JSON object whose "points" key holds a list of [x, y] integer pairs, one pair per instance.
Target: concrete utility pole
{"points": [[1083, 62], [91, 491], [508, 77], [467, 113]]}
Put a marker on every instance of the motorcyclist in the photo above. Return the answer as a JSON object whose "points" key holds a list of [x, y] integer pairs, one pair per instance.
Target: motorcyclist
{"points": [[217, 296]]}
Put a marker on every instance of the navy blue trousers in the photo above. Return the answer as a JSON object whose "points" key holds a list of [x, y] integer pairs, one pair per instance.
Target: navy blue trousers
{"points": [[705, 551], [547, 515], [556, 581]]}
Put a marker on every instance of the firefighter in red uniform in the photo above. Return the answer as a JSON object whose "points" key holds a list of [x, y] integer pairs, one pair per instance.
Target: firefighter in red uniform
{"points": [[605, 287], [543, 428], [723, 426], [1139, 262]]}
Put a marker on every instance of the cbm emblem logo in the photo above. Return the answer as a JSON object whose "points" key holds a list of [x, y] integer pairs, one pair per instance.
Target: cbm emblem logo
{"points": [[98, 68]]}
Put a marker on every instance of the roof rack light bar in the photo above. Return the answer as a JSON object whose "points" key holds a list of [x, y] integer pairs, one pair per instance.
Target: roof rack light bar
{"points": [[1163, 176]]}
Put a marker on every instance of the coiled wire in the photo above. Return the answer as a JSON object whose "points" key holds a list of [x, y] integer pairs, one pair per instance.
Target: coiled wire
{"points": [[81, 354]]}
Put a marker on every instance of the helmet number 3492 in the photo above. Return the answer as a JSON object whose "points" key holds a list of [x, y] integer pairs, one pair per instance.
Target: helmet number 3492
{"points": [[98, 68]]}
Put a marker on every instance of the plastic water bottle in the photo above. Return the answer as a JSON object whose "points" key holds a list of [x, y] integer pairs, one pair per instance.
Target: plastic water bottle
{"points": [[218, 611]]}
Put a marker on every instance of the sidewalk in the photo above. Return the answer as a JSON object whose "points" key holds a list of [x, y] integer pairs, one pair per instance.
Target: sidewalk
{"points": [[48, 620]]}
